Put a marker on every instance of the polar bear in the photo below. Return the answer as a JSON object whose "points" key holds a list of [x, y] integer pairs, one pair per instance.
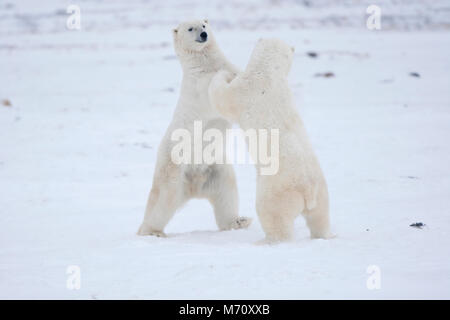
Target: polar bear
{"points": [[173, 184], [260, 98]]}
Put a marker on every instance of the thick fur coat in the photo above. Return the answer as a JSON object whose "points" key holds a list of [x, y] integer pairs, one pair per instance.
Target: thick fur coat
{"points": [[173, 184], [260, 98]]}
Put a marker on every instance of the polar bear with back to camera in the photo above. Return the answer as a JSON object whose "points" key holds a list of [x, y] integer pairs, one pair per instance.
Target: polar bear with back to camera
{"points": [[260, 98], [174, 184]]}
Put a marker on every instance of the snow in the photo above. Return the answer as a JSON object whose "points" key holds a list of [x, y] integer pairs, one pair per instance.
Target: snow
{"points": [[88, 109]]}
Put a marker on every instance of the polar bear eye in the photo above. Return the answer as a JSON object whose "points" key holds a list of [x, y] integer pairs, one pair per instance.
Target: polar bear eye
{"points": [[203, 26], [190, 29]]}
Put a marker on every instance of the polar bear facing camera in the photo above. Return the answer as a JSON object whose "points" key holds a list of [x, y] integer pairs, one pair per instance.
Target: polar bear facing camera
{"points": [[174, 184], [260, 98]]}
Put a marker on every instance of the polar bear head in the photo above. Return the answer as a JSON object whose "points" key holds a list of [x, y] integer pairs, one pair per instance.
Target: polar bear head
{"points": [[192, 36], [272, 57]]}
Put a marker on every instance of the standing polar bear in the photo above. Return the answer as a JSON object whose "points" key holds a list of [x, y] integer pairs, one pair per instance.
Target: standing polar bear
{"points": [[260, 98], [174, 184]]}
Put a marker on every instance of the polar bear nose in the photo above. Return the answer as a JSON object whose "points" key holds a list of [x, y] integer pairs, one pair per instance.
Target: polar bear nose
{"points": [[203, 35]]}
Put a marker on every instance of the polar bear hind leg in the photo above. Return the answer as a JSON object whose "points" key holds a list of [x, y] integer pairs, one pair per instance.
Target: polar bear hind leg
{"points": [[277, 213], [221, 190], [164, 199], [317, 218], [318, 223]]}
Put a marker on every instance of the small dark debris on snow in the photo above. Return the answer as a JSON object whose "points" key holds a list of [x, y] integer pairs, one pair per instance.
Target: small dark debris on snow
{"points": [[325, 75], [312, 54], [418, 225], [143, 145], [414, 74], [390, 80], [6, 103]]}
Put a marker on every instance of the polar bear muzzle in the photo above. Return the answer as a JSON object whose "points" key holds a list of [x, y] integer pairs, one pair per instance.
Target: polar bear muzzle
{"points": [[202, 37]]}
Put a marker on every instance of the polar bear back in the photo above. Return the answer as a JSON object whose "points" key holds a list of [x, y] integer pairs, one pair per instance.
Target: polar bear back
{"points": [[260, 98]]}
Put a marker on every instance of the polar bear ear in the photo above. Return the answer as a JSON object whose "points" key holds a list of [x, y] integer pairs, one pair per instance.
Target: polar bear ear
{"points": [[293, 49], [175, 31], [205, 20]]}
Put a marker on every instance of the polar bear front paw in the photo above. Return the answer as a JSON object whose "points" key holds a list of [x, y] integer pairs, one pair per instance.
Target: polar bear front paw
{"points": [[241, 223], [144, 230]]}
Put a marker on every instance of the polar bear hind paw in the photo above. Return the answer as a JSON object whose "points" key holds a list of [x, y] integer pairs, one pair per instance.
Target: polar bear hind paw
{"points": [[241, 223], [145, 231]]}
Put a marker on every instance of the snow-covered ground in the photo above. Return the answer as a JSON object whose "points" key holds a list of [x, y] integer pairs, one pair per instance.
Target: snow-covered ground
{"points": [[88, 109]]}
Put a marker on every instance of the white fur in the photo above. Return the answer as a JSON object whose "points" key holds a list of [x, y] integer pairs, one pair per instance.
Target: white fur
{"points": [[260, 98], [174, 184]]}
